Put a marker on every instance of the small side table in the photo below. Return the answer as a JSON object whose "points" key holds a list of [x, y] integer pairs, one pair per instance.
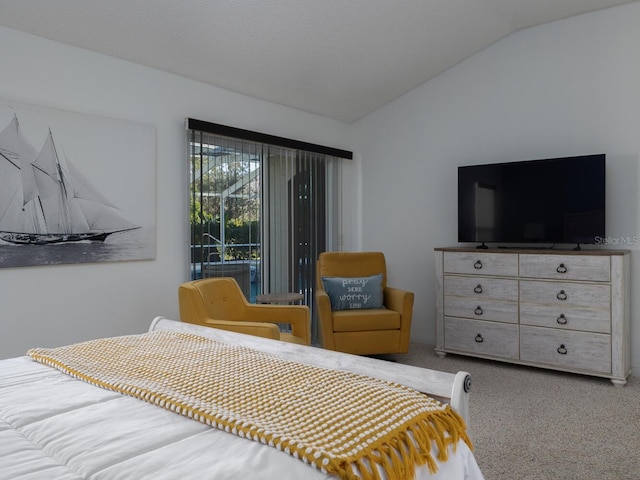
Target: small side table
{"points": [[286, 298]]}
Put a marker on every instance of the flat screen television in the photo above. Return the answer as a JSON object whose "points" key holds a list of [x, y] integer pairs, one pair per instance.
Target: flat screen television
{"points": [[559, 200]]}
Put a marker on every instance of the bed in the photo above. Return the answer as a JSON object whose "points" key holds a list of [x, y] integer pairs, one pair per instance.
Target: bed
{"points": [[58, 424]]}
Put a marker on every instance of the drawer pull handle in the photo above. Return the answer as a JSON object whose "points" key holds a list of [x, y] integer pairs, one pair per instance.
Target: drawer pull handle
{"points": [[477, 265], [478, 289], [561, 268], [478, 310], [479, 338], [562, 296], [562, 350], [562, 320]]}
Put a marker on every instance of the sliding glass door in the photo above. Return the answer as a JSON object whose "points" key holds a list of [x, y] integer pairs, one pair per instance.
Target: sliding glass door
{"points": [[261, 213]]}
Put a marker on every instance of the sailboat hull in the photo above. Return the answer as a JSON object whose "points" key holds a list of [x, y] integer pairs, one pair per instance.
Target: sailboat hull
{"points": [[50, 238]]}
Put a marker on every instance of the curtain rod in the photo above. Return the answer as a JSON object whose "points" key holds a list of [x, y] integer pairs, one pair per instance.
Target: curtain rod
{"points": [[217, 129]]}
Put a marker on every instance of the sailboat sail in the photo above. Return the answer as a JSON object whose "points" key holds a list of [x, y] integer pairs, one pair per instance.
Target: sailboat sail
{"points": [[45, 199], [17, 183]]}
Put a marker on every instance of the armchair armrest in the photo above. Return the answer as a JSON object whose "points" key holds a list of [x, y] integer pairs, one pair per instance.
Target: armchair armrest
{"points": [[295, 315], [259, 329], [398, 300], [325, 317], [401, 301]]}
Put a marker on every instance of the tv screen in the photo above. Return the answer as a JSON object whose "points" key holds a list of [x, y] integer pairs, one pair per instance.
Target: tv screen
{"points": [[560, 200]]}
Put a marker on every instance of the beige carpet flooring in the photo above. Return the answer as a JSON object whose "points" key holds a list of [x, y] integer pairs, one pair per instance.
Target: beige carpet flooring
{"points": [[535, 424]]}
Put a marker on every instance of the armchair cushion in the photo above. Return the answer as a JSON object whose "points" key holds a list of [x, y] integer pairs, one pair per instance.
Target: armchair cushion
{"points": [[366, 320], [354, 293]]}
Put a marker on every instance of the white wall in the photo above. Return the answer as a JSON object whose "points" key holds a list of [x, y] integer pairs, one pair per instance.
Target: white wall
{"points": [[56, 305], [567, 88]]}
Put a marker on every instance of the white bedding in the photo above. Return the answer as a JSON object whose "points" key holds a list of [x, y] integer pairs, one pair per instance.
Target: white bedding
{"points": [[53, 426]]}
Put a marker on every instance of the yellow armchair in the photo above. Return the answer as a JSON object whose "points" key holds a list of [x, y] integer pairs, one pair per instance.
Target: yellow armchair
{"points": [[219, 303], [363, 331]]}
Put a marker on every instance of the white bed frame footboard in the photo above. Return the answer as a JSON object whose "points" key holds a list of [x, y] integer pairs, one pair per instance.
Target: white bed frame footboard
{"points": [[447, 387]]}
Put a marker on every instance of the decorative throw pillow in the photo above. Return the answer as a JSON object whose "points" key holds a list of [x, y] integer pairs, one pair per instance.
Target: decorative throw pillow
{"points": [[351, 293]]}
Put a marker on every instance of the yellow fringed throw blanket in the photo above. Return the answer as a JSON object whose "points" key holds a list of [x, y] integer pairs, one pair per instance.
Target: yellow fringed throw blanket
{"points": [[339, 422]]}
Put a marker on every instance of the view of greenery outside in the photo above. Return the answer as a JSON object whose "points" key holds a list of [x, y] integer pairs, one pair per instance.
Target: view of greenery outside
{"points": [[241, 239], [225, 206]]}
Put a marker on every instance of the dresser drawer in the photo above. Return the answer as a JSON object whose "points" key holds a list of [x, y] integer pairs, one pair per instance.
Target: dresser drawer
{"points": [[483, 338], [481, 288], [568, 318], [472, 263], [565, 294], [481, 309], [561, 348], [566, 267]]}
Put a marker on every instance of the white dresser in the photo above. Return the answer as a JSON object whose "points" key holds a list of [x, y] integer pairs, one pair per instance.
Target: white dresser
{"points": [[557, 309]]}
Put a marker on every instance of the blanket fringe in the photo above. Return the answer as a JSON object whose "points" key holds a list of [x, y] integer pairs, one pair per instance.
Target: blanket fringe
{"points": [[397, 456]]}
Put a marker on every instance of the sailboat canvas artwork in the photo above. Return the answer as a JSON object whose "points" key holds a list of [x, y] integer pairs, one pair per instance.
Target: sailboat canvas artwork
{"points": [[74, 188]]}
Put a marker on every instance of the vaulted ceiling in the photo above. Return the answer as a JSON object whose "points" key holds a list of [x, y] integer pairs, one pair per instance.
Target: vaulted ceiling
{"points": [[337, 58]]}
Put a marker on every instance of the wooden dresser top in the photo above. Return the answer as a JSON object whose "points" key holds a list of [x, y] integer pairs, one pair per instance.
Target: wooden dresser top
{"points": [[535, 250]]}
